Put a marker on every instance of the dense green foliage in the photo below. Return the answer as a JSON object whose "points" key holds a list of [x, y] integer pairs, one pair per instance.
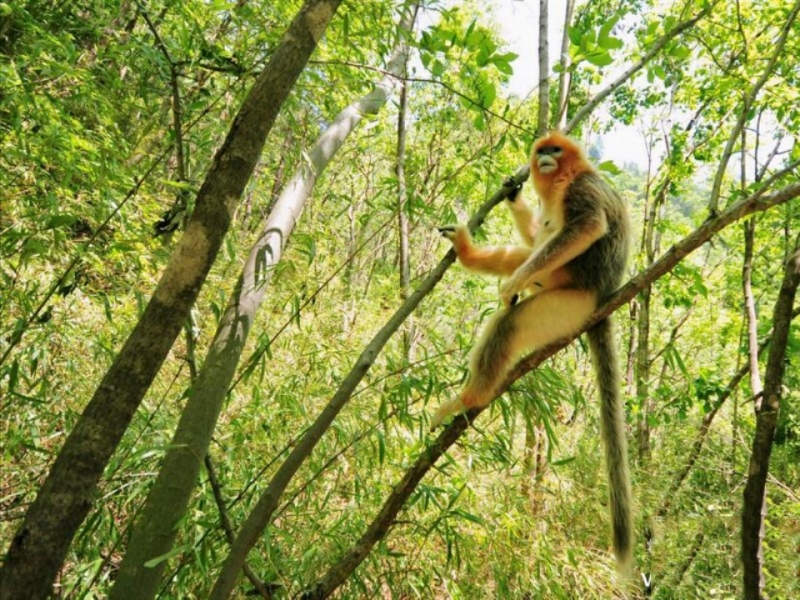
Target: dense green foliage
{"points": [[88, 166]]}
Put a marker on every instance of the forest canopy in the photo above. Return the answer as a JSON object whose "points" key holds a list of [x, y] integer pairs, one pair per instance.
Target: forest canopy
{"points": [[227, 315]]}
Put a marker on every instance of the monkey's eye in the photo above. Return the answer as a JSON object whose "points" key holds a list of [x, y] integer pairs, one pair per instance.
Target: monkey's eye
{"points": [[548, 150]]}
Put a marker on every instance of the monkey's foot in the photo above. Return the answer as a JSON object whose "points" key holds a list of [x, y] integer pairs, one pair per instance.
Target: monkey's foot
{"points": [[451, 407]]}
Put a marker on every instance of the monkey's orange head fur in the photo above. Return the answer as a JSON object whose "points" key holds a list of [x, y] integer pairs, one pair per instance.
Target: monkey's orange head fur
{"points": [[556, 159]]}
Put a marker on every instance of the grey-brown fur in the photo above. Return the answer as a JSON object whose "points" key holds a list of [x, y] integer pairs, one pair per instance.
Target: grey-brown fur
{"points": [[590, 199], [602, 266], [612, 428]]}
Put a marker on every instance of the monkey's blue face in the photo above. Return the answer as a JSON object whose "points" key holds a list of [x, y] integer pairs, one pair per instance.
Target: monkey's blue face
{"points": [[547, 158]]}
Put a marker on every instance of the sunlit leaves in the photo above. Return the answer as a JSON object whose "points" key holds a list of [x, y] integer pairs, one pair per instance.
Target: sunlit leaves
{"points": [[450, 45], [594, 45]]}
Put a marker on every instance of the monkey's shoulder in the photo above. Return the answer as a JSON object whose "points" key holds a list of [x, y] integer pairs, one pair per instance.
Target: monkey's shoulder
{"points": [[589, 192], [590, 186]]}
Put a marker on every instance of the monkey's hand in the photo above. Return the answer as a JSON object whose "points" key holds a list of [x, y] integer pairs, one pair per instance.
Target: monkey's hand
{"points": [[448, 231], [457, 234], [516, 188]]}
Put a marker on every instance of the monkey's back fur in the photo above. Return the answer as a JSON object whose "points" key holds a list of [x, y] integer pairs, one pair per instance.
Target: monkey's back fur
{"points": [[602, 267]]}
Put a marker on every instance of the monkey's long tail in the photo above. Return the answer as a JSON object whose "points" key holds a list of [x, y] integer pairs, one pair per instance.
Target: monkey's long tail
{"points": [[612, 426]]}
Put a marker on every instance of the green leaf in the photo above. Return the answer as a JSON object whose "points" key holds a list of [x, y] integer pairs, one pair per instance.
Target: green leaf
{"points": [[483, 56], [680, 52], [605, 29], [467, 516], [608, 166], [610, 43], [488, 94], [506, 57], [178, 185], [468, 40], [600, 59], [574, 35], [381, 447], [504, 67], [154, 562]]}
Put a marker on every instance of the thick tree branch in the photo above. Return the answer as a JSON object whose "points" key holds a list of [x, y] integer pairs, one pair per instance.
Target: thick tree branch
{"points": [[385, 518]]}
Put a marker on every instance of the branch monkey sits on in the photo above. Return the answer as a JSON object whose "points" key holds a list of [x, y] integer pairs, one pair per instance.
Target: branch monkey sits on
{"points": [[576, 249]]}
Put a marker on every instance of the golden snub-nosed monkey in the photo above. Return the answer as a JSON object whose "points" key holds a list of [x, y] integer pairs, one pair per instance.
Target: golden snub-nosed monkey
{"points": [[575, 252]]}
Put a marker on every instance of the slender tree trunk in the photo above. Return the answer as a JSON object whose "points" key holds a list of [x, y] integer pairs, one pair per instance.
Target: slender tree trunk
{"points": [[346, 123], [633, 345], [754, 508], [564, 77], [535, 459], [543, 120], [40, 545], [643, 376], [349, 306], [749, 228], [402, 219], [534, 463], [156, 528], [642, 360]]}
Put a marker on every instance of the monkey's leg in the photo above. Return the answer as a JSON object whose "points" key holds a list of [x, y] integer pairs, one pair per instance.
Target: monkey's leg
{"points": [[534, 323], [491, 260]]}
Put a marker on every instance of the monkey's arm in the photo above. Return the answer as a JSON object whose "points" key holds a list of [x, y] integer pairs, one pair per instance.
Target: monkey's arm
{"points": [[524, 215], [572, 241], [524, 218], [490, 260]]}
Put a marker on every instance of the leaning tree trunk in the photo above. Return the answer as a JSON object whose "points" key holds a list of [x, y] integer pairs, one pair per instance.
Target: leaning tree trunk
{"points": [[38, 549], [754, 508], [156, 528]]}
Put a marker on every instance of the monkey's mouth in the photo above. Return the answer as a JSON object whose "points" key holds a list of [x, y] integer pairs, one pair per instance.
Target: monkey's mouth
{"points": [[547, 164]]}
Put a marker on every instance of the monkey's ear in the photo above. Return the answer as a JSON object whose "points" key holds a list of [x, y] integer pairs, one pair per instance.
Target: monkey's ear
{"points": [[515, 188]]}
